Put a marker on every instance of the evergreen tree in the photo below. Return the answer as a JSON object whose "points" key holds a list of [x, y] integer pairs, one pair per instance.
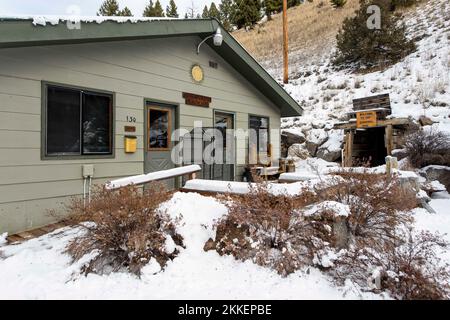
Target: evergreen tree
{"points": [[359, 45], [247, 13], [172, 10], [108, 8], [214, 12], [275, 6], [227, 11], [205, 14], [338, 3], [125, 12], [149, 10], [159, 12]]}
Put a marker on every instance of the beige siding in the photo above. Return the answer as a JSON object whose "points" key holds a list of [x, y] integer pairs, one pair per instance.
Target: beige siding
{"points": [[133, 70]]}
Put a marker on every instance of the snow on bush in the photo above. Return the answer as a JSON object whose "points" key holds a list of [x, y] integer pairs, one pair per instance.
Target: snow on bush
{"points": [[124, 230], [407, 268], [428, 147], [268, 229], [378, 205]]}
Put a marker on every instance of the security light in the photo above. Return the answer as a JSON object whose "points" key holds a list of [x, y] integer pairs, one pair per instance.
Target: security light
{"points": [[217, 39]]}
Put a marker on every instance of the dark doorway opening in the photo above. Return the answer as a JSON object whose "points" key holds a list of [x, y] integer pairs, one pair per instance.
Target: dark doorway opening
{"points": [[369, 147]]}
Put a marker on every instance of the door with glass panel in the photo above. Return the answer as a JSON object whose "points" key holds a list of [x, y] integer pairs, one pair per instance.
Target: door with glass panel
{"points": [[225, 121], [160, 123]]}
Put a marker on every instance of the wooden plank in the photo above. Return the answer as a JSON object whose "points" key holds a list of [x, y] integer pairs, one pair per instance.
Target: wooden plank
{"points": [[388, 139], [381, 123]]}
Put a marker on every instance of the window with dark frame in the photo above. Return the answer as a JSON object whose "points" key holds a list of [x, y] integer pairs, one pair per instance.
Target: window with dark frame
{"points": [[261, 127], [78, 123]]}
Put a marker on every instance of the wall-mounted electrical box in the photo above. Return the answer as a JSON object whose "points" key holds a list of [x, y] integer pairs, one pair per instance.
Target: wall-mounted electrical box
{"points": [[88, 170], [130, 144]]}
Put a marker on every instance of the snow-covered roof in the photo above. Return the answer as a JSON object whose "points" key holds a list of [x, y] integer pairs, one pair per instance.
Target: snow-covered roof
{"points": [[43, 20]]}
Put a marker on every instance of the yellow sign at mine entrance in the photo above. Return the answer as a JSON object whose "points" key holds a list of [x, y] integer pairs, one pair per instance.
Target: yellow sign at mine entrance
{"points": [[366, 119]]}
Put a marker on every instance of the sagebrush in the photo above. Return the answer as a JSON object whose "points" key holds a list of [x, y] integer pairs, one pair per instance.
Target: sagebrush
{"points": [[408, 269], [267, 229], [378, 204], [124, 229], [428, 147]]}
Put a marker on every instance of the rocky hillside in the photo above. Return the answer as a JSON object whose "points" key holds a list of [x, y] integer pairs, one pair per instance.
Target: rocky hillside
{"points": [[418, 86]]}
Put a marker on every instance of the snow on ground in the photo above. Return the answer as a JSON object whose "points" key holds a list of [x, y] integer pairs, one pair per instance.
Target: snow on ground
{"points": [[38, 269], [3, 238]]}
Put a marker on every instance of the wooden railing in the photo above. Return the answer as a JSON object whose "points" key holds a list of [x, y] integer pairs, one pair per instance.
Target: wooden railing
{"points": [[189, 171]]}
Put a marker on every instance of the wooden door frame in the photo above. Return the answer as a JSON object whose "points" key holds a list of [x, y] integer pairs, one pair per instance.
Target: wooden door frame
{"points": [[148, 102], [233, 114]]}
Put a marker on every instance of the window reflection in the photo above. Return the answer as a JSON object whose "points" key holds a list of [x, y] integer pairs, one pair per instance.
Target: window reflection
{"points": [[159, 129]]}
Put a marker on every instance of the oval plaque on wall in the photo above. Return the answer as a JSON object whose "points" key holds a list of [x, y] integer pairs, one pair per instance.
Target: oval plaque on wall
{"points": [[197, 73]]}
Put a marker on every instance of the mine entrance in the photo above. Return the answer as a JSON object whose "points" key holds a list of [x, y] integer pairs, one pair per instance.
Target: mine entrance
{"points": [[369, 147]]}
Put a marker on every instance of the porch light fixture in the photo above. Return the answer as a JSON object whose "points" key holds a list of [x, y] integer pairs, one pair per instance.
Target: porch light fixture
{"points": [[217, 38]]}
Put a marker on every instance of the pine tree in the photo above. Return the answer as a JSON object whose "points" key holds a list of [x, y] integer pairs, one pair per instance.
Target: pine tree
{"points": [[227, 11], [125, 12], [149, 10], [172, 10], [359, 45], [108, 8], [214, 12], [205, 14], [159, 12], [338, 3], [247, 13]]}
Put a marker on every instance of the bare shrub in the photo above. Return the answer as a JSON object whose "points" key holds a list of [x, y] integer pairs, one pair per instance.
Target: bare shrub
{"points": [[269, 230], [378, 205], [124, 229], [408, 269], [428, 147]]}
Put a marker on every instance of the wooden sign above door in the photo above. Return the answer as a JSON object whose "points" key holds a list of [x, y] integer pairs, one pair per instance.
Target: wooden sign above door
{"points": [[196, 100], [366, 119]]}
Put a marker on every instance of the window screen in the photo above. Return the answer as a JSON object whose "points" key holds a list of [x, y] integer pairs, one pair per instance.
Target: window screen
{"points": [[78, 122], [261, 126]]}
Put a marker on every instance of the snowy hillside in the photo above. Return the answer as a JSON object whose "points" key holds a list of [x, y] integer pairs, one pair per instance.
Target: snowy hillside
{"points": [[418, 85]]}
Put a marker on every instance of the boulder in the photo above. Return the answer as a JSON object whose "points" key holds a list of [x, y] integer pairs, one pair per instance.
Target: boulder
{"points": [[327, 155], [331, 150], [439, 173], [312, 148], [425, 121], [290, 137], [314, 139], [299, 151]]}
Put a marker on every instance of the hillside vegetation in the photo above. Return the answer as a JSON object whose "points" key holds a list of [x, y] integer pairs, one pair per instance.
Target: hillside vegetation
{"points": [[312, 33]]}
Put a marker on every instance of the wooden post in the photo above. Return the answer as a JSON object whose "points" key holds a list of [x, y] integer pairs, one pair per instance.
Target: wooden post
{"points": [[348, 151], [389, 139], [285, 43]]}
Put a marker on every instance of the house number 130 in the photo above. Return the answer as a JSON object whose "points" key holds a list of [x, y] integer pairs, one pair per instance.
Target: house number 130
{"points": [[131, 119]]}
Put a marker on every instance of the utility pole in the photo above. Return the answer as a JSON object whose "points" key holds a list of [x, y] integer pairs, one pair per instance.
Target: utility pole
{"points": [[285, 43]]}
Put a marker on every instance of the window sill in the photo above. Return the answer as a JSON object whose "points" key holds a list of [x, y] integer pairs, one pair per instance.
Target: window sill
{"points": [[75, 157]]}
